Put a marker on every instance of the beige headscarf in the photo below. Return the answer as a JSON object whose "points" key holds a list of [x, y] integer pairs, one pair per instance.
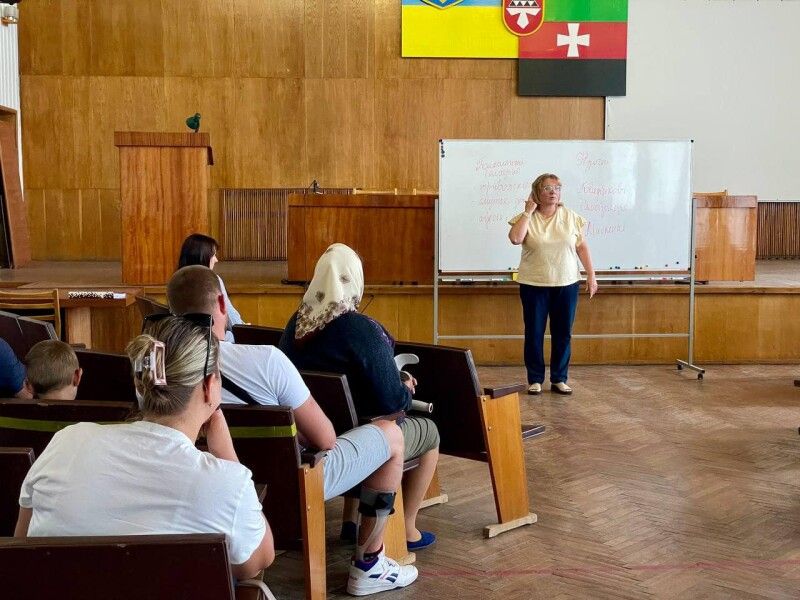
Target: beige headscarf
{"points": [[337, 288]]}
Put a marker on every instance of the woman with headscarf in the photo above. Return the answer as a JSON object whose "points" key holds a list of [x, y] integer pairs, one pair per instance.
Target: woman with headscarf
{"points": [[327, 333]]}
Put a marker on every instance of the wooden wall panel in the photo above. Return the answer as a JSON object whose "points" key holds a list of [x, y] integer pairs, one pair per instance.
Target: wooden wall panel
{"points": [[122, 104], [290, 91], [40, 43], [268, 38], [127, 37], [198, 38], [269, 134], [339, 132]]}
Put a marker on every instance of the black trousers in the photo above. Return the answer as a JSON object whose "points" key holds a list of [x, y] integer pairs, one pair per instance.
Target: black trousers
{"points": [[559, 304]]}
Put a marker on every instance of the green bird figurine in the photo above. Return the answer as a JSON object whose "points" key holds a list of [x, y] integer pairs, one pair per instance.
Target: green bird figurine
{"points": [[193, 122]]}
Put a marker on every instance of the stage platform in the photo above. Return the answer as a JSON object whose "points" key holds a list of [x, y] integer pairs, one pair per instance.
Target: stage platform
{"points": [[736, 322]]}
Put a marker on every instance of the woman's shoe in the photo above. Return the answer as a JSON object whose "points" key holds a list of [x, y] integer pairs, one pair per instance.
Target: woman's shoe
{"points": [[535, 389], [426, 540], [561, 388]]}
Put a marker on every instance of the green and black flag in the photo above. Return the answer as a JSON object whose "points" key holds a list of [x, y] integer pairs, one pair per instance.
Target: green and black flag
{"points": [[580, 49]]}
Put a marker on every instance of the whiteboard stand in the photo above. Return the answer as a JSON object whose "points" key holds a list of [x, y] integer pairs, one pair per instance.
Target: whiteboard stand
{"points": [[689, 362], [439, 277]]}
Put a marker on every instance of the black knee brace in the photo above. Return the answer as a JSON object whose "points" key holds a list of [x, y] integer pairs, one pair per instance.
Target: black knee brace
{"points": [[376, 504]]}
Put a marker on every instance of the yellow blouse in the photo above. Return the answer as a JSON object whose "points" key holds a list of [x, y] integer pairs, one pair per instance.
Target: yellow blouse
{"points": [[549, 256]]}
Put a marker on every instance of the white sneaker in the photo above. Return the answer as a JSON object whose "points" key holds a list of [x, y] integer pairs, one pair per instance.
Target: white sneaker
{"points": [[561, 388], [535, 389], [384, 575]]}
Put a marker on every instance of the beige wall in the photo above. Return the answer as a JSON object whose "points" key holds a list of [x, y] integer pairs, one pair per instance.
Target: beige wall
{"points": [[290, 91]]}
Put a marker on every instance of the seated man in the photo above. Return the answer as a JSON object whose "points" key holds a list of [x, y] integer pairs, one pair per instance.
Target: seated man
{"points": [[53, 371], [12, 374], [371, 455]]}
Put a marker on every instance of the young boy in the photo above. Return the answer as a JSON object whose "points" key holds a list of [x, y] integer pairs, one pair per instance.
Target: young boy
{"points": [[53, 371]]}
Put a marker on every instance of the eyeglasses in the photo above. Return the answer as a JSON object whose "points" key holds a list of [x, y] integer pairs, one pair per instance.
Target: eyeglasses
{"points": [[552, 188], [198, 319]]}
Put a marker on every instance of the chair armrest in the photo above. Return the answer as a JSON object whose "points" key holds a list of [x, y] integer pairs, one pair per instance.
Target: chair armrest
{"points": [[395, 416], [504, 390], [312, 457], [261, 491]]}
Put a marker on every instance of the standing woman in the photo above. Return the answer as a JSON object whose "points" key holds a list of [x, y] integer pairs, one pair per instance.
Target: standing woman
{"points": [[199, 249], [552, 239]]}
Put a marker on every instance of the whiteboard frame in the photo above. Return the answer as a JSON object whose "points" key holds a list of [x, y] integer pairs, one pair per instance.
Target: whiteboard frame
{"points": [[623, 274]]}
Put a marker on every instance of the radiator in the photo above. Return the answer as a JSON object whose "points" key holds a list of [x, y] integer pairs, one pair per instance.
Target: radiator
{"points": [[778, 230], [253, 221]]}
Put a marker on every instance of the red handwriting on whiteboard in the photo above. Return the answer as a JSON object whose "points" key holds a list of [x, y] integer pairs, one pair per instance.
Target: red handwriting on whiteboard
{"points": [[585, 160]]}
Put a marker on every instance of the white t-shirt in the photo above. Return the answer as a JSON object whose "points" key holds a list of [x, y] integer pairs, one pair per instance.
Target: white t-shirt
{"points": [[140, 478], [264, 372]]}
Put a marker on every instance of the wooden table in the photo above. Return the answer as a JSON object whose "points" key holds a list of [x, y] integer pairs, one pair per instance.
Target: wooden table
{"points": [[98, 323]]}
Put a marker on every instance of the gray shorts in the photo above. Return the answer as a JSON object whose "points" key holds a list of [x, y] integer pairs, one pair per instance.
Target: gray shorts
{"points": [[357, 454], [419, 435]]}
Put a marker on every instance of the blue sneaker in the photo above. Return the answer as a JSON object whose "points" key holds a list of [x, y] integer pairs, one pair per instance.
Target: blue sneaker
{"points": [[426, 540]]}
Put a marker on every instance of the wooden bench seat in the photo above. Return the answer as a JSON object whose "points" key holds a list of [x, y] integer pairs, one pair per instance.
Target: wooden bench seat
{"points": [[152, 567]]}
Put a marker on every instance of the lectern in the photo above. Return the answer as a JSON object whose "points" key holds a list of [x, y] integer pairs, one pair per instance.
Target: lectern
{"points": [[164, 195]]}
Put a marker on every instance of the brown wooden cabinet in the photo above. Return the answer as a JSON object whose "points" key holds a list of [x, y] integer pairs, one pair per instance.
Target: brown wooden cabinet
{"points": [[725, 237], [164, 194], [393, 234]]}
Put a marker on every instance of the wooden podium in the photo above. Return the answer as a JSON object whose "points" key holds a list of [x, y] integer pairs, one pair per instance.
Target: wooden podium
{"points": [[164, 195], [725, 238], [392, 234]]}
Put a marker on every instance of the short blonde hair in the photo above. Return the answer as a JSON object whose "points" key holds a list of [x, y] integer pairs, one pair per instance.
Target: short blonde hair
{"points": [[184, 363], [51, 365], [537, 184]]}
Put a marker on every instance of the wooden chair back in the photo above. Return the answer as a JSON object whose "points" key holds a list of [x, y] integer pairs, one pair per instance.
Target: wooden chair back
{"points": [[14, 466], [105, 376], [43, 305], [482, 424], [22, 333], [32, 424], [11, 333], [148, 306], [156, 567], [265, 439], [448, 379], [332, 393], [257, 335]]}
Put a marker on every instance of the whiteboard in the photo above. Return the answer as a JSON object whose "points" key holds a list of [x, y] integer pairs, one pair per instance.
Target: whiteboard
{"points": [[636, 197], [724, 74]]}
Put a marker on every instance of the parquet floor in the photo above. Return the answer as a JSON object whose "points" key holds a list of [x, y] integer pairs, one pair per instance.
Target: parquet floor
{"points": [[648, 484]]}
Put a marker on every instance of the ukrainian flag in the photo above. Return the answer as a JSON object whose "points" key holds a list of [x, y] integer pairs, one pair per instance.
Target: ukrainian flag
{"points": [[453, 29]]}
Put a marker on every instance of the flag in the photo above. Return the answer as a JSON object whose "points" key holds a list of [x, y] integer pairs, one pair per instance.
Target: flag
{"points": [[580, 50], [456, 29], [564, 47]]}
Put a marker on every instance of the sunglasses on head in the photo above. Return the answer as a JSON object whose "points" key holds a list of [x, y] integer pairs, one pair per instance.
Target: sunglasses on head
{"points": [[198, 319]]}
